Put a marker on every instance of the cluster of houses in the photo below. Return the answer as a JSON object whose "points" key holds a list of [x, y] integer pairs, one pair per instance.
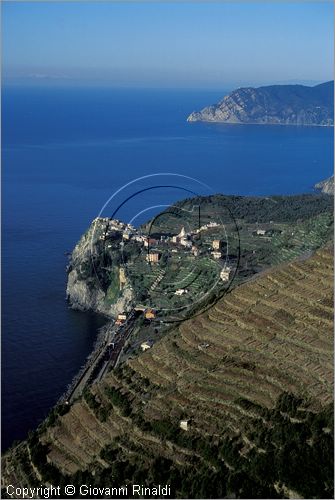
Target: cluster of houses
{"points": [[148, 313], [110, 226], [183, 239]]}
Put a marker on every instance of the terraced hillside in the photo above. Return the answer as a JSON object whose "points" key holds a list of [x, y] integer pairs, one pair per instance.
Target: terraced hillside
{"points": [[291, 225], [253, 379]]}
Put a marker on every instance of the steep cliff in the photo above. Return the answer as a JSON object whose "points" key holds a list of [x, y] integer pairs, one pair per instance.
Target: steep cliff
{"points": [[275, 104], [94, 271]]}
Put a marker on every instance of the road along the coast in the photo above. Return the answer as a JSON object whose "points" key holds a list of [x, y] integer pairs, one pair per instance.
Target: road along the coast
{"points": [[106, 357]]}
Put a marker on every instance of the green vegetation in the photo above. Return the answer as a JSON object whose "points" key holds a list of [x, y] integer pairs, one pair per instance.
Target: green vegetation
{"points": [[291, 448], [299, 224], [119, 400], [113, 289], [295, 226], [38, 453], [252, 375], [285, 209], [51, 419], [100, 410]]}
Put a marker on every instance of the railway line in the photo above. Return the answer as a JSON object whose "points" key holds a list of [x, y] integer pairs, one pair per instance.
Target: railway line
{"points": [[106, 357]]}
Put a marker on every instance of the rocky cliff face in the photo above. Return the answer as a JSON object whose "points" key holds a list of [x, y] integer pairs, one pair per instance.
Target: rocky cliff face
{"points": [[276, 104], [326, 186], [93, 272]]}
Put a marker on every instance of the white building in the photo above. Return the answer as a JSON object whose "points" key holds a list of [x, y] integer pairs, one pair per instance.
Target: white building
{"points": [[216, 244], [225, 273], [181, 291], [146, 345], [153, 257], [216, 255], [184, 424]]}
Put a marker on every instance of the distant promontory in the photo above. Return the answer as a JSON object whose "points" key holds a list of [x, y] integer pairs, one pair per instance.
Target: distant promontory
{"points": [[326, 186], [274, 104]]}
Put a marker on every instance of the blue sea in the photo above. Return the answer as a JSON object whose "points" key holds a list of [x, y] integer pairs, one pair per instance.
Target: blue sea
{"points": [[65, 152]]}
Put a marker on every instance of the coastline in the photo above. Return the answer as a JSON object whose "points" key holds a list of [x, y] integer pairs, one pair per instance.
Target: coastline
{"points": [[90, 359], [54, 228], [298, 125], [108, 330]]}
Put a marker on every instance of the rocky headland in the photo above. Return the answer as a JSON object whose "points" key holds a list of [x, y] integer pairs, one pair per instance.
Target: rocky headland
{"points": [[89, 286], [275, 105]]}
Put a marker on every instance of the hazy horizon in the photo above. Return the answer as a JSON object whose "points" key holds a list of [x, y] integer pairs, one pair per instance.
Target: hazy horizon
{"points": [[167, 45]]}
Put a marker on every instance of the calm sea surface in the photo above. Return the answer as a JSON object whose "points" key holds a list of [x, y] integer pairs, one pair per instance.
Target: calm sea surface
{"points": [[65, 151]]}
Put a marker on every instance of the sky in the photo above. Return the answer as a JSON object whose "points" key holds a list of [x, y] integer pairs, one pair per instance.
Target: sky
{"points": [[196, 45]]}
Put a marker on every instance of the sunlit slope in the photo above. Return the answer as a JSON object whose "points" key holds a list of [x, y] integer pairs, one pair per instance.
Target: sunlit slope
{"points": [[221, 370], [271, 335]]}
